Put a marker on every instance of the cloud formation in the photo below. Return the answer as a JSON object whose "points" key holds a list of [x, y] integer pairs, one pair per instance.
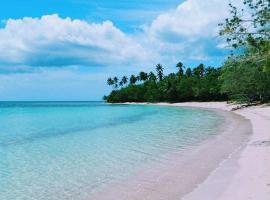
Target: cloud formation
{"points": [[190, 20], [185, 33], [54, 41], [190, 31]]}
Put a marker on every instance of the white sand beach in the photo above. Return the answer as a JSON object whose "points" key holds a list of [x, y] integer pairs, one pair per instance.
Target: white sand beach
{"points": [[245, 175], [230, 167]]}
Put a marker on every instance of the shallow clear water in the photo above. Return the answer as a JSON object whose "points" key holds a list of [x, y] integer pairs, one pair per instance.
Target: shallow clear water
{"points": [[68, 150]]}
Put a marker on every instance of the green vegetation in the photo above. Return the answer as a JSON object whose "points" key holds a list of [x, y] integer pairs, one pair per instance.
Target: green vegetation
{"points": [[198, 84], [244, 77]]}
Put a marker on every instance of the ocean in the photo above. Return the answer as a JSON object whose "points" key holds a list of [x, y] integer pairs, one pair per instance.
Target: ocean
{"points": [[71, 150]]}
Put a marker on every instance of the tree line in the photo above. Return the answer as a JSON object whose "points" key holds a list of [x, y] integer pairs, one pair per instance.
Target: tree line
{"points": [[198, 84], [244, 76]]}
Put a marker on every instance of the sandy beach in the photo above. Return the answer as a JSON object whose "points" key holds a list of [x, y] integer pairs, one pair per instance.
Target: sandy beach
{"points": [[245, 175], [234, 165]]}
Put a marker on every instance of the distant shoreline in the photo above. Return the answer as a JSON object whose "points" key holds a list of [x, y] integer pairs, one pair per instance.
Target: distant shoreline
{"points": [[234, 178]]}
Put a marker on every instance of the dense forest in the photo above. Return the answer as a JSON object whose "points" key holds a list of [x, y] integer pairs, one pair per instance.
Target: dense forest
{"points": [[244, 76]]}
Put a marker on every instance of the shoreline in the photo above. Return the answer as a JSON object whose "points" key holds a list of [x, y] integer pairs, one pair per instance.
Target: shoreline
{"points": [[244, 175], [228, 173]]}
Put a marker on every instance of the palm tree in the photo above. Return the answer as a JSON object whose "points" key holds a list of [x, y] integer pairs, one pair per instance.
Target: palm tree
{"points": [[152, 77], [180, 67], [143, 76], [132, 79], [110, 81], [115, 80], [121, 83], [124, 80], [159, 70]]}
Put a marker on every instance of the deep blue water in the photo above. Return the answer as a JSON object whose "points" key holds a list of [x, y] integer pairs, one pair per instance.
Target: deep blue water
{"points": [[69, 150]]}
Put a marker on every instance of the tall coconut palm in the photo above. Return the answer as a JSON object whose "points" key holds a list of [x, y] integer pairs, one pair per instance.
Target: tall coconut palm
{"points": [[180, 67], [159, 70]]}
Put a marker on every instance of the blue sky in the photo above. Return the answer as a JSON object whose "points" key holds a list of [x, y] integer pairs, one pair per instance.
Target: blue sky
{"points": [[125, 14], [66, 49]]}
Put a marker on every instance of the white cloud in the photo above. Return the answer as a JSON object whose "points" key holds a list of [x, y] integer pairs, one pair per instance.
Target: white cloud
{"points": [[54, 41], [188, 32], [193, 18]]}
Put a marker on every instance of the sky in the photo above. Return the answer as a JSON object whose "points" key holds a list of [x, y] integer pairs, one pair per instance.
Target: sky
{"points": [[66, 49]]}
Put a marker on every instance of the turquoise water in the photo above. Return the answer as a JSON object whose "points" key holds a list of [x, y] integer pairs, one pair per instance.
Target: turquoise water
{"points": [[70, 150]]}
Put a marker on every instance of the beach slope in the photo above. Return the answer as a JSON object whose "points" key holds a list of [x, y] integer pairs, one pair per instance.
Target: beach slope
{"points": [[246, 174]]}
